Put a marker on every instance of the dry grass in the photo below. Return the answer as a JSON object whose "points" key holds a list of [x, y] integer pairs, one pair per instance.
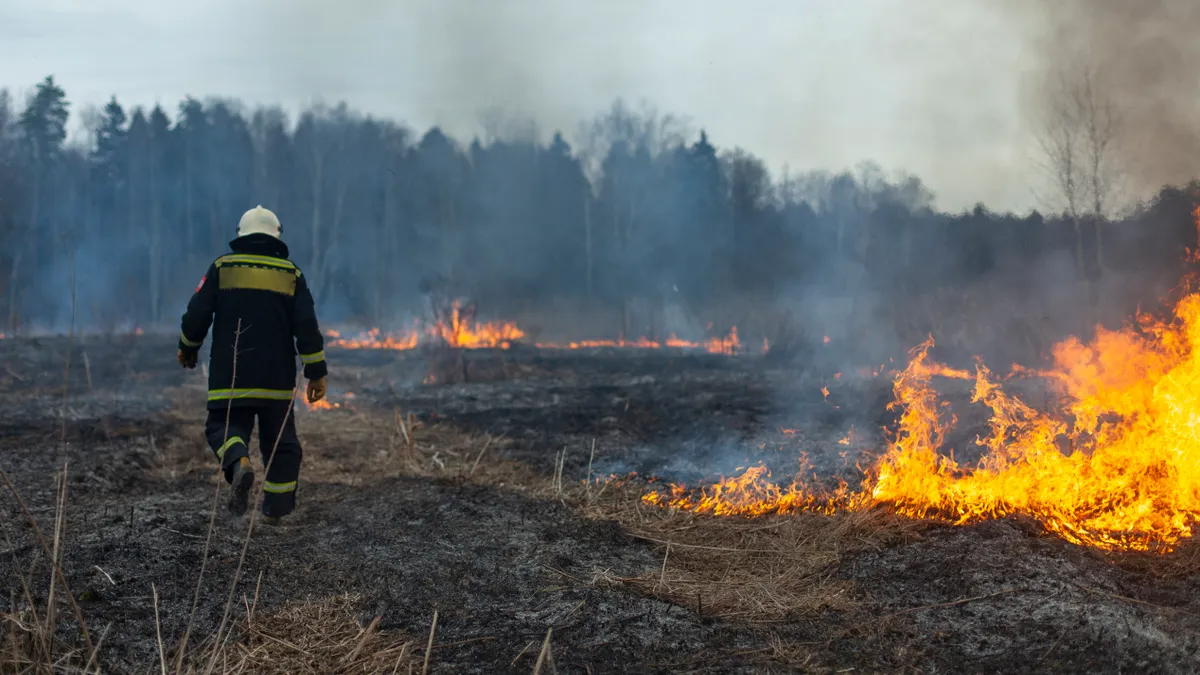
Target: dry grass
{"points": [[751, 569], [310, 637], [373, 447]]}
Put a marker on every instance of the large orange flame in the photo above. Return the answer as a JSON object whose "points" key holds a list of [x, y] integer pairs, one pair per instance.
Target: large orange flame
{"points": [[1114, 464]]}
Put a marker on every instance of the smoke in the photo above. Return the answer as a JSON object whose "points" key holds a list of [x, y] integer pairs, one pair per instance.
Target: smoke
{"points": [[1144, 58]]}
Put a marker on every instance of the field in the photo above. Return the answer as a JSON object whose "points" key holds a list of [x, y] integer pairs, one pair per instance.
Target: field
{"points": [[505, 506]]}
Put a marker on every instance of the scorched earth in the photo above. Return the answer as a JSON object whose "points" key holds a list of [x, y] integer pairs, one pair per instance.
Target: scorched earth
{"points": [[552, 512]]}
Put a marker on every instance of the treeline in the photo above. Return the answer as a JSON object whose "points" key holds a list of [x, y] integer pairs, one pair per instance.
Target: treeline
{"points": [[643, 210]]}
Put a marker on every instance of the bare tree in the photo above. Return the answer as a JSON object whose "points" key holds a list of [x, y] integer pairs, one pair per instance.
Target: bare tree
{"points": [[1077, 139]]}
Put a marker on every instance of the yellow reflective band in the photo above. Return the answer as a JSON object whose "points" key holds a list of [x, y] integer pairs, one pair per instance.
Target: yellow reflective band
{"points": [[228, 444], [183, 338], [312, 358], [258, 278], [272, 394], [255, 260], [279, 488]]}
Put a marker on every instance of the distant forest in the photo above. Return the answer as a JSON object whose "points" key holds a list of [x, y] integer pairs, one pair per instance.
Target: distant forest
{"points": [[642, 209]]}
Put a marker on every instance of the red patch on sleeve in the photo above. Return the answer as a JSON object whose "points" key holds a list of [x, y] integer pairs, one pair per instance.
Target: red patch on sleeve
{"points": [[201, 284]]}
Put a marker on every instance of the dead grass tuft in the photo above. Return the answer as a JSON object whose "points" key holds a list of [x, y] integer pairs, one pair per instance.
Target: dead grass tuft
{"points": [[373, 446], [761, 569], [311, 637]]}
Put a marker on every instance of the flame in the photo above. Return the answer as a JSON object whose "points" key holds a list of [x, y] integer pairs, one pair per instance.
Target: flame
{"points": [[456, 331], [750, 494], [727, 345], [374, 339], [459, 332], [325, 403], [1113, 464]]}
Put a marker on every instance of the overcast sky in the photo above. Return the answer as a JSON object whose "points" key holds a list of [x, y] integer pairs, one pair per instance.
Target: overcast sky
{"points": [[927, 86]]}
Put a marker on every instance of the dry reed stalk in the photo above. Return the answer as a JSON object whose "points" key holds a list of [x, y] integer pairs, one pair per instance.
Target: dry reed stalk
{"points": [[403, 429], [254, 604], [544, 655], [429, 644], [559, 460], [362, 641], [162, 653], [479, 457], [591, 457], [60, 506]]}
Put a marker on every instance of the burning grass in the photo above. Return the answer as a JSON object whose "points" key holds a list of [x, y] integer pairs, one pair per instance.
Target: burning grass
{"points": [[1115, 464], [456, 328]]}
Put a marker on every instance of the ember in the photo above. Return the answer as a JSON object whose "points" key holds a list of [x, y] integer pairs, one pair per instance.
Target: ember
{"points": [[1128, 410]]}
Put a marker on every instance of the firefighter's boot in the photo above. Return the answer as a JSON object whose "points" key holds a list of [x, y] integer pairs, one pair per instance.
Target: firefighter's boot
{"points": [[243, 480]]}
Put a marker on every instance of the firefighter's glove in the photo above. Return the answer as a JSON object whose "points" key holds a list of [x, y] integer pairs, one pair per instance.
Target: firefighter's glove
{"points": [[316, 390], [187, 359]]}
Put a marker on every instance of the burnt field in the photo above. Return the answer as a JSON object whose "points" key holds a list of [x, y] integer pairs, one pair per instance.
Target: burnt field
{"points": [[471, 500]]}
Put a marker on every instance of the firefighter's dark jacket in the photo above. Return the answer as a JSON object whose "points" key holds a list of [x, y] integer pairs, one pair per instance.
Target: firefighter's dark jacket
{"points": [[257, 285]]}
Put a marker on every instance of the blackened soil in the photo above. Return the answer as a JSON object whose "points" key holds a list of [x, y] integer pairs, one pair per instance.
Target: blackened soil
{"points": [[996, 598], [501, 566], [499, 569]]}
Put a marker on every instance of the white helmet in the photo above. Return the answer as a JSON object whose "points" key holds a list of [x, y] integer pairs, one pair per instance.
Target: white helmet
{"points": [[259, 221]]}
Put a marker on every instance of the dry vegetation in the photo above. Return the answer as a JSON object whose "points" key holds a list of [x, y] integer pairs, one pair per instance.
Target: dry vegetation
{"points": [[759, 570]]}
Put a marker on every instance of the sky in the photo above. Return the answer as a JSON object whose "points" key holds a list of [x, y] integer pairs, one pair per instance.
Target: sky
{"points": [[931, 87]]}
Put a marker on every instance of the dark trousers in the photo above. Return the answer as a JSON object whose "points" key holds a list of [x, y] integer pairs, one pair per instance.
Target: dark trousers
{"points": [[228, 433]]}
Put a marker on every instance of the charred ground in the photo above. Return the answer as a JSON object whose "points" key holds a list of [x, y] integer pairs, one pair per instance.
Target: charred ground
{"points": [[456, 509]]}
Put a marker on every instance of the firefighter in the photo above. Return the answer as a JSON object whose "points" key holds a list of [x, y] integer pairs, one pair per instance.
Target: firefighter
{"points": [[257, 300]]}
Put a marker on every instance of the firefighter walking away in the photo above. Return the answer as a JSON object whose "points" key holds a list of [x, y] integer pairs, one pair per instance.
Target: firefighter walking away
{"points": [[256, 298]]}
